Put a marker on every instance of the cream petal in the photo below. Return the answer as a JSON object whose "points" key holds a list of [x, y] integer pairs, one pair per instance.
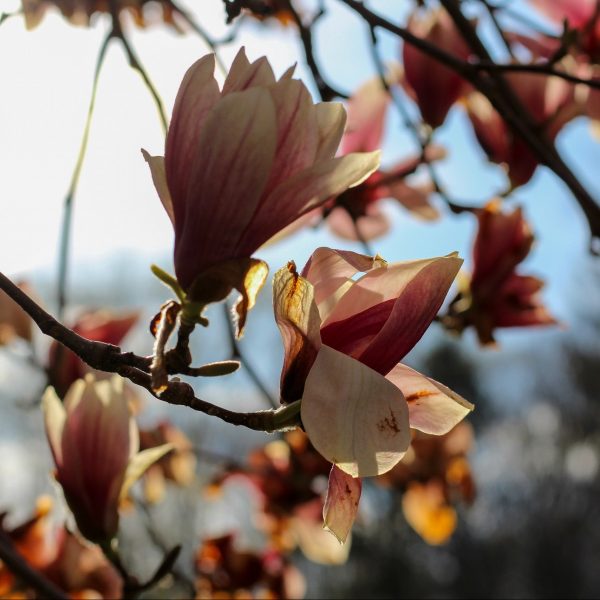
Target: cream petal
{"points": [[341, 503], [317, 544], [235, 154], [139, 463], [331, 119], [159, 177], [197, 95], [432, 407], [54, 421], [331, 272], [298, 320], [353, 416], [307, 190]]}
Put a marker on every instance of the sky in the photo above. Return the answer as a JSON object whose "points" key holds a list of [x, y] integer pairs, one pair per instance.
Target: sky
{"points": [[46, 77]]}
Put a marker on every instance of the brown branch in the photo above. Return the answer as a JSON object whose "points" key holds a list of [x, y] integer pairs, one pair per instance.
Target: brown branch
{"points": [[21, 568], [109, 358], [492, 85]]}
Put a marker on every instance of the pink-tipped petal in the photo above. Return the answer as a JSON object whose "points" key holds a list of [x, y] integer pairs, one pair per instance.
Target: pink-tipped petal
{"points": [[386, 312], [227, 168], [341, 503], [432, 407], [159, 177], [353, 416], [298, 320]]}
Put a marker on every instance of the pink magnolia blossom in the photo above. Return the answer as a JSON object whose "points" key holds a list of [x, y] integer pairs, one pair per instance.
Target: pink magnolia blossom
{"points": [[343, 339], [359, 207], [94, 442], [434, 86], [242, 163], [550, 102], [498, 296]]}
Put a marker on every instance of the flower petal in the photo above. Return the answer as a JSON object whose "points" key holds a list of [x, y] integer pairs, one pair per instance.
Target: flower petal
{"points": [[235, 153], [138, 465], [386, 312], [298, 320], [331, 119], [307, 190], [432, 407], [54, 421], [331, 271], [159, 177], [353, 416], [243, 74], [197, 95], [341, 503]]}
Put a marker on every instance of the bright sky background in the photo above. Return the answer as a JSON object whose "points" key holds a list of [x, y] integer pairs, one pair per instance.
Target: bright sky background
{"points": [[46, 80]]}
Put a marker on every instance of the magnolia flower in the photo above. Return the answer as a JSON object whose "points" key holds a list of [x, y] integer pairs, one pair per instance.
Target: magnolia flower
{"points": [[343, 340], [498, 296], [242, 163], [359, 208], [550, 102], [79, 12], [94, 442], [434, 86]]}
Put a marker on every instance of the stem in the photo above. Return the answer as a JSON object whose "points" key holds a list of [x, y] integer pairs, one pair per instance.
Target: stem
{"points": [[65, 235]]}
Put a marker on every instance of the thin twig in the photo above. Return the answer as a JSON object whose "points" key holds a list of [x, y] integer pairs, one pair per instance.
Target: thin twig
{"points": [[65, 234], [492, 12], [21, 568], [109, 358]]}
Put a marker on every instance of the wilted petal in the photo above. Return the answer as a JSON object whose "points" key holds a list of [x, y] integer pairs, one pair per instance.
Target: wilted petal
{"points": [[298, 320], [386, 312], [307, 190], [197, 94], [341, 503], [432, 407], [331, 272], [159, 177], [253, 280], [243, 74], [353, 416], [226, 168]]}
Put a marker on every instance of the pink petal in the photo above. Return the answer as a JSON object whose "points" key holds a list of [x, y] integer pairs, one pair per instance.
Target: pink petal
{"points": [[353, 416], [432, 407], [331, 272], [577, 12], [341, 503], [305, 191], [366, 115], [370, 226], [298, 320], [414, 199], [197, 94], [244, 75], [54, 421], [386, 312], [235, 153], [297, 132]]}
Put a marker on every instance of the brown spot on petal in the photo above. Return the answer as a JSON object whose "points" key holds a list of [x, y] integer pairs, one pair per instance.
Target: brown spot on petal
{"points": [[389, 423], [418, 395]]}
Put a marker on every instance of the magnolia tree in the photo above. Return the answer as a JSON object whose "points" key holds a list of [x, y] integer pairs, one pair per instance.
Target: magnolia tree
{"points": [[247, 162]]}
